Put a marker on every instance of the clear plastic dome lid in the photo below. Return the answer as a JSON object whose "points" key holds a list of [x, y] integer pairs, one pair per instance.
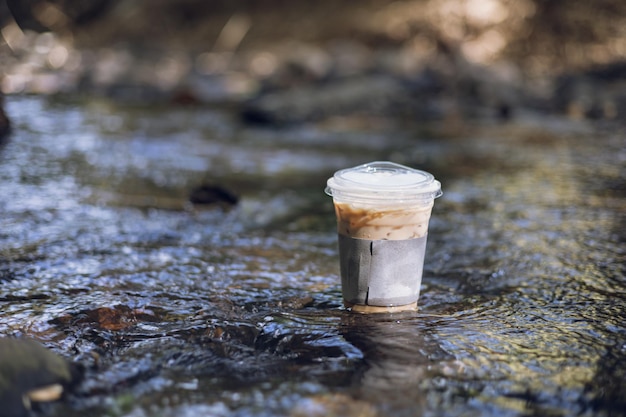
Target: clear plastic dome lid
{"points": [[383, 180]]}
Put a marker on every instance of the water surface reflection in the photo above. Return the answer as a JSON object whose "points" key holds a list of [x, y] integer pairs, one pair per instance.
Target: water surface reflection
{"points": [[400, 359]]}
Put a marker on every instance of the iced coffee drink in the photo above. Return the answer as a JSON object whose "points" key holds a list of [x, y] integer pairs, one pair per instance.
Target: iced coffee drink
{"points": [[380, 222], [383, 210]]}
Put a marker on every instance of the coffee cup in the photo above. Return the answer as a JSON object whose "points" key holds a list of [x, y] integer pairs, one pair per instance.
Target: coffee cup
{"points": [[383, 210]]}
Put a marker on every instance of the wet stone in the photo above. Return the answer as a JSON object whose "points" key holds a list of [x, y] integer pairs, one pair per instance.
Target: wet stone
{"points": [[30, 373], [211, 194]]}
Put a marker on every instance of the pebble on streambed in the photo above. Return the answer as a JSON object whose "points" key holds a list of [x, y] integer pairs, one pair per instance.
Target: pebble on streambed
{"points": [[30, 373]]}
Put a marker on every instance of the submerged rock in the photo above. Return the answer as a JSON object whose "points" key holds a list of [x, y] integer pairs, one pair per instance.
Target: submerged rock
{"points": [[211, 194], [30, 373]]}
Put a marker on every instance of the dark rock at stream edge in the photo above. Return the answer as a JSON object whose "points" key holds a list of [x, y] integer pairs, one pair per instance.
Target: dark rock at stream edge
{"points": [[27, 368]]}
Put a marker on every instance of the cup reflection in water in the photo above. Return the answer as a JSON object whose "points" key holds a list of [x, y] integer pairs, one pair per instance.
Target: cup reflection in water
{"points": [[383, 210]]}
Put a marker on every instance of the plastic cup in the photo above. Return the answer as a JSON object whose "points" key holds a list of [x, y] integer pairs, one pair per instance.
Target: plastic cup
{"points": [[383, 210]]}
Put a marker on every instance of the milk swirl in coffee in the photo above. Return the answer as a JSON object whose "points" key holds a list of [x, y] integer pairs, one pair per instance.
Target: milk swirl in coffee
{"points": [[391, 223]]}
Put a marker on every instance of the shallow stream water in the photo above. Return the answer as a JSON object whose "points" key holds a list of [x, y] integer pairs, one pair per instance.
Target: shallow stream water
{"points": [[178, 310]]}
